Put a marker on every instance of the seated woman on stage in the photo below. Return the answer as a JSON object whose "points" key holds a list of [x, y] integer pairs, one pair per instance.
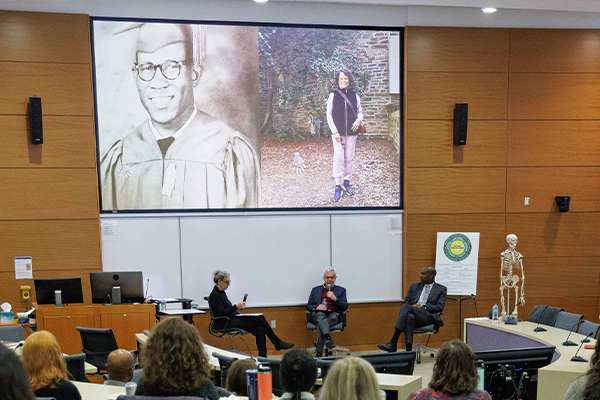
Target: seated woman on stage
{"points": [[454, 375], [298, 373], [350, 378], [587, 386], [46, 366], [14, 381], [256, 325], [175, 363]]}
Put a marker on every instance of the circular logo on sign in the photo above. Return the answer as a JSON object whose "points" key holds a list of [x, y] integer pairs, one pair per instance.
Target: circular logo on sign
{"points": [[457, 247]]}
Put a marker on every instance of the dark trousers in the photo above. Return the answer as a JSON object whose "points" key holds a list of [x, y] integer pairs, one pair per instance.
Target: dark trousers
{"points": [[410, 317], [259, 327]]}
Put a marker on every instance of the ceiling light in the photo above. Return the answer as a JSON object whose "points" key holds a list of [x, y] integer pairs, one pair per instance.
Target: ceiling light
{"points": [[485, 10], [260, 1]]}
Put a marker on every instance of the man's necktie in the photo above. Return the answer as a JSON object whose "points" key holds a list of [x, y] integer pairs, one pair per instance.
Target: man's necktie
{"points": [[425, 294]]}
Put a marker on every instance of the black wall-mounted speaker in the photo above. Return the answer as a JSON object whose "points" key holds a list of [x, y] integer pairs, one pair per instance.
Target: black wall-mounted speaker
{"points": [[461, 111], [35, 115]]}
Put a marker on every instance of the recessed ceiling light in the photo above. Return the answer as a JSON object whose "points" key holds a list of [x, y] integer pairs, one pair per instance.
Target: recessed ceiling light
{"points": [[486, 9], [260, 1]]}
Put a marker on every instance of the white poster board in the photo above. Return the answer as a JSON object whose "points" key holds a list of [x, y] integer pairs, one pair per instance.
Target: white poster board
{"points": [[456, 261]]}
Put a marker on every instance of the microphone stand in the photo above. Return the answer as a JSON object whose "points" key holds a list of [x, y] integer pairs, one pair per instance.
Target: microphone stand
{"points": [[570, 342], [510, 320], [538, 328], [577, 358]]}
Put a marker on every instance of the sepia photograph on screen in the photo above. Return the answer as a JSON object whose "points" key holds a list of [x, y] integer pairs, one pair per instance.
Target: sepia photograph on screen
{"points": [[194, 117]]}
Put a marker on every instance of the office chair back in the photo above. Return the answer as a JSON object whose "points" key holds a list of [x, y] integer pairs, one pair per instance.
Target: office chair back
{"points": [[224, 364], [12, 333], [275, 374], [544, 314], [588, 327], [218, 327], [97, 345], [76, 367], [568, 321]]}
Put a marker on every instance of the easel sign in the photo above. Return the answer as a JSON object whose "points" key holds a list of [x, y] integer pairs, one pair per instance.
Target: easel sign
{"points": [[456, 260]]}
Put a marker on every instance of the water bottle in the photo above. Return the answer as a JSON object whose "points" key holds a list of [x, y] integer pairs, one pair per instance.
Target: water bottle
{"points": [[163, 305], [324, 301], [495, 313]]}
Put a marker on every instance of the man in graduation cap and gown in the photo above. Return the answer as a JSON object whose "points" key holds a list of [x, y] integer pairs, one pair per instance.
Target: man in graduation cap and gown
{"points": [[180, 157]]}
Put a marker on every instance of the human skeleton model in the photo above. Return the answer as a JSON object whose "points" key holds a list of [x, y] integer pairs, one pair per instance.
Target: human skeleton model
{"points": [[511, 260]]}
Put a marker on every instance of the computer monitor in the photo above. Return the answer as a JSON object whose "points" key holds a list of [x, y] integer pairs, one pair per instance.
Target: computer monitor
{"points": [[131, 284], [70, 290], [402, 363], [504, 370]]}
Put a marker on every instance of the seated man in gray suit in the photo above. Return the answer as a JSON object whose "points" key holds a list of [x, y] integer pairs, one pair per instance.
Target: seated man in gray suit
{"points": [[326, 303], [422, 305]]}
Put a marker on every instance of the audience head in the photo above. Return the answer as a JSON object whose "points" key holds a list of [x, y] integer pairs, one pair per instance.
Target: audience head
{"points": [[298, 372], [350, 378], [592, 386], [43, 360], [120, 365], [174, 359], [236, 376], [219, 275], [14, 381], [455, 369]]}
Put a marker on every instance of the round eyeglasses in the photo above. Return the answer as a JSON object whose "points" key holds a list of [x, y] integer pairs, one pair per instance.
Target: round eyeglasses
{"points": [[170, 70]]}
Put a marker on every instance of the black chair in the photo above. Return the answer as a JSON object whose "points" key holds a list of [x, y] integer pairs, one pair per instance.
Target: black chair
{"points": [[339, 327], [13, 333], [224, 364], [97, 345], [76, 367], [425, 330], [275, 377], [225, 331]]}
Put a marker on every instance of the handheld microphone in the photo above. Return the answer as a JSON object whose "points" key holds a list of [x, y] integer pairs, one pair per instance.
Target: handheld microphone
{"points": [[21, 343], [245, 297], [538, 328], [570, 342], [579, 358], [328, 287]]}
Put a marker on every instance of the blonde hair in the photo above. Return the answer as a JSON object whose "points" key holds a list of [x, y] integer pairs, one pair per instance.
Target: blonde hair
{"points": [[43, 360], [350, 378]]}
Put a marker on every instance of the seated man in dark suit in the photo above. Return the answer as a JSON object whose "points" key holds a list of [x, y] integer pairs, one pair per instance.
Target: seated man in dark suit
{"points": [[422, 305], [326, 303]]}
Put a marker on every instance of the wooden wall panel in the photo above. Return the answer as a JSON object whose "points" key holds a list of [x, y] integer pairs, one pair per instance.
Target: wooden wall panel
{"points": [[49, 194], [44, 37], [432, 95], [553, 143], [68, 142], [455, 190], [555, 50], [65, 89], [554, 96], [52, 244], [556, 234], [430, 143], [420, 244], [458, 49], [542, 184]]}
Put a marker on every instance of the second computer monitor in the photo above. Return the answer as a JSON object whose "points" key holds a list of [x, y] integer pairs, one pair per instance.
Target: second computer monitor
{"points": [[130, 286]]}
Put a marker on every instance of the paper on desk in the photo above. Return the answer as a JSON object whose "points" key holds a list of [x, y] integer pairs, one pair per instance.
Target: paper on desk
{"points": [[23, 268], [249, 314]]}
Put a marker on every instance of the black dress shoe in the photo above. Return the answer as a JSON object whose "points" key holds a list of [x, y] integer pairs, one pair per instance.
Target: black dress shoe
{"points": [[389, 347], [329, 343], [283, 345], [319, 355]]}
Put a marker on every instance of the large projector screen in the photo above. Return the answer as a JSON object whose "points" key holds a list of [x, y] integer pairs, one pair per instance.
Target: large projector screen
{"points": [[207, 116]]}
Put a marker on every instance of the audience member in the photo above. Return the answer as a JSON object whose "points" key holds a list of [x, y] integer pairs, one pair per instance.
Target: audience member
{"points": [[587, 386], [454, 375], [236, 376], [46, 366], [175, 363], [350, 378], [14, 381], [298, 373], [120, 367]]}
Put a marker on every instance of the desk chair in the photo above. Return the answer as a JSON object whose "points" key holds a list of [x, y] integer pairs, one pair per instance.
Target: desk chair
{"points": [[97, 345], [276, 378], [568, 321], [339, 327], [545, 315], [225, 331], [587, 327], [76, 367], [425, 330], [13, 333]]}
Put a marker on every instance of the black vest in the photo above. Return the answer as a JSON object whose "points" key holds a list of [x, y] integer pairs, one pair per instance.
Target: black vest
{"points": [[343, 116]]}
